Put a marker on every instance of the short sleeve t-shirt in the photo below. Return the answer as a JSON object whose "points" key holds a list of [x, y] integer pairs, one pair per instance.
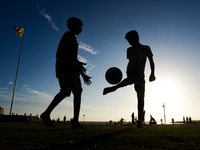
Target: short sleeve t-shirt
{"points": [[67, 53], [137, 57]]}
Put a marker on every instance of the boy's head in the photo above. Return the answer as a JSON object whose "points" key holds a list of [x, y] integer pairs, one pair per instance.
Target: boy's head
{"points": [[75, 25], [132, 37]]}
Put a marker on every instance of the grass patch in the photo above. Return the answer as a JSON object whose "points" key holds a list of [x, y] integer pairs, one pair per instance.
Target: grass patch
{"points": [[37, 136]]}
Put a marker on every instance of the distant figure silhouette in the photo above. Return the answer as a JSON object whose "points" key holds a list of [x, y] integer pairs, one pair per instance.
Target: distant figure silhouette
{"points": [[137, 55], [68, 70], [187, 120], [183, 119], [152, 120], [122, 121], [64, 119], [172, 120], [133, 118], [190, 120], [143, 117]]}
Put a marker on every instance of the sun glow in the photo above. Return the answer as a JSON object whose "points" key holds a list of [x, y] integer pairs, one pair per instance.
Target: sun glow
{"points": [[163, 91]]}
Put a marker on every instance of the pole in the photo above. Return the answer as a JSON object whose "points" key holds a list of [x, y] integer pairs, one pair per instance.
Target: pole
{"points": [[83, 118], [164, 112], [16, 74]]}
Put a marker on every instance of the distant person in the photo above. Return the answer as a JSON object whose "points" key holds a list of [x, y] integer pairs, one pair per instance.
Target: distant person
{"points": [[30, 117], [122, 121], [137, 55], [136, 120], [133, 118], [152, 119], [172, 120], [190, 120], [64, 119], [143, 117], [58, 120], [68, 70], [187, 120], [183, 119]]}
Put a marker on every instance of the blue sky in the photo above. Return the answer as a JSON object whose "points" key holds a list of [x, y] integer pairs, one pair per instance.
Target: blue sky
{"points": [[169, 27]]}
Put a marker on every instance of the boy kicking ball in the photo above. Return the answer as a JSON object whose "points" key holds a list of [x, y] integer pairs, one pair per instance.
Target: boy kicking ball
{"points": [[137, 55]]}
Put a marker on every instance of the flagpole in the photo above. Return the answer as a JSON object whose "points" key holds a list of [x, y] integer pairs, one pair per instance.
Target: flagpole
{"points": [[13, 95]]}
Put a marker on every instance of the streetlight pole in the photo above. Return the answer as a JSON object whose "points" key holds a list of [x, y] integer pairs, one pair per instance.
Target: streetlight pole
{"points": [[164, 112], [83, 118]]}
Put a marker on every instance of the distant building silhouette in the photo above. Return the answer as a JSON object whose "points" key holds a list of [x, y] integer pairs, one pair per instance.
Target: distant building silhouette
{"points": [[19, 118]]}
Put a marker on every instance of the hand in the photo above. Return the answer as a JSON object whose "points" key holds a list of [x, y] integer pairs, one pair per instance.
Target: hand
{"points": [[81, 68], [86, 79], [152, 77]]}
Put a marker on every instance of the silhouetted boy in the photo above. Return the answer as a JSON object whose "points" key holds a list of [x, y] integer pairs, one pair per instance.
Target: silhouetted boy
{"points": [[68, 70], [137, 55]]}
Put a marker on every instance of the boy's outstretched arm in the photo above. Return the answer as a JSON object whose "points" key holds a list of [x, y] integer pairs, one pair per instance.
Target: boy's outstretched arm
{"points": [[82, 71], [80, 66], [86, 78], [152, 66]]}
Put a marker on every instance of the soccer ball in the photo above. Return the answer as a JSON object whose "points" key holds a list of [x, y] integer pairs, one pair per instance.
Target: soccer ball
{"points": [[113, 75]]}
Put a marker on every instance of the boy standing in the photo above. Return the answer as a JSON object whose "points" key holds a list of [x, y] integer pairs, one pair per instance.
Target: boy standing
{"points": [[137, 55], [68, 70]]}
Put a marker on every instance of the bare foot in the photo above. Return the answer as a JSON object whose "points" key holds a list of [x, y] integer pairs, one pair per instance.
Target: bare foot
{"points": [[108, 90], [46, 120]]}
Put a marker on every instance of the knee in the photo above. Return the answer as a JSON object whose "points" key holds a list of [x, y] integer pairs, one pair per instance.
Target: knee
{"points": [[77, 91], [65, 92], [130, 81]]}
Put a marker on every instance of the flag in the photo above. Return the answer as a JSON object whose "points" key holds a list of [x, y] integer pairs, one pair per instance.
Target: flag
{"points": [[19, 31]]}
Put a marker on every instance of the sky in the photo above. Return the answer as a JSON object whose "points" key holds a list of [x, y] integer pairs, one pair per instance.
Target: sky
{"points": [[169, 27]]}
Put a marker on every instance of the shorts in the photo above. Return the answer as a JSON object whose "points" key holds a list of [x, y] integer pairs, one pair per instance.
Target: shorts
{"points": [[137, 79], [70, 83]]}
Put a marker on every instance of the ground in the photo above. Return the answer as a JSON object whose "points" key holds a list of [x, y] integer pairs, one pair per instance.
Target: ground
{"points": [[37, 136]]}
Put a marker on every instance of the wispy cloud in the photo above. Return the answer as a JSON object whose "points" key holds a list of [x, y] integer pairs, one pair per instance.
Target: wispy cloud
{"points": [[5, 94], [28, 95], [37, 95], [10, 82], [82, 59], [43, 12], [4, 88], [88, 48], [40, 97], [88, 66]]}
